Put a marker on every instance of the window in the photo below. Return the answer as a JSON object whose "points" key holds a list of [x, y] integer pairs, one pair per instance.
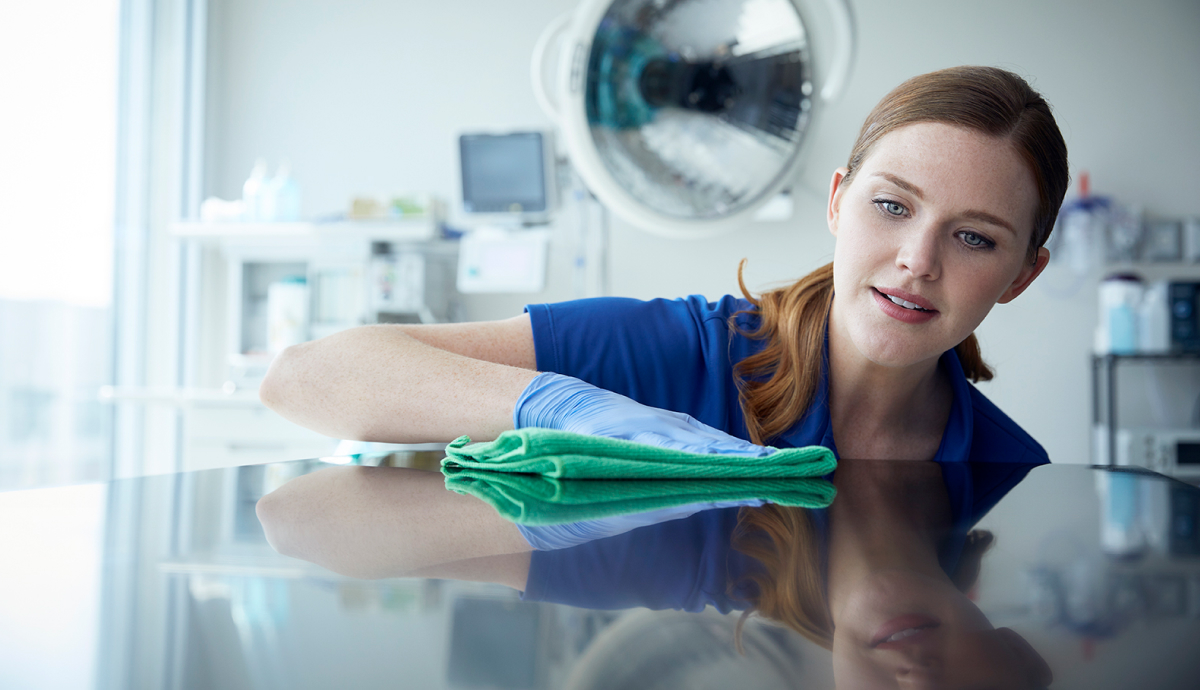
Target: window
{"points": [[58, 68]]}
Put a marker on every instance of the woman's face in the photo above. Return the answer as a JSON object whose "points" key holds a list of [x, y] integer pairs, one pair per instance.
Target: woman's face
{"points": [[906, 630], [938, 217]]}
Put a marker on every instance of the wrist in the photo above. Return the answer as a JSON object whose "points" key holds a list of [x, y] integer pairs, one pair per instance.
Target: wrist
{"points": [[545, 400]]}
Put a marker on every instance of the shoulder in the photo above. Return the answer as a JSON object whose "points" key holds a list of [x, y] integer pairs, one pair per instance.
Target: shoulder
{"points": [[698, 305], [671, 316], [720, 311], [633, 346], [997, 438]]}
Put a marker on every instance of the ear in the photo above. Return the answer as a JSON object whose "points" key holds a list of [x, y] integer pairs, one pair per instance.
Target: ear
{"points": [[1026, 276], [835, 198]]}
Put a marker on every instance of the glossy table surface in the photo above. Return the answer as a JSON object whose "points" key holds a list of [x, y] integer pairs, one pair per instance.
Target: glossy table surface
{"points": [[170, 582]]}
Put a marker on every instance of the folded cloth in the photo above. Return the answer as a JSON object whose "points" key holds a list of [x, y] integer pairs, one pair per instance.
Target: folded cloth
{"points": [[566, 455], [530, 499]]}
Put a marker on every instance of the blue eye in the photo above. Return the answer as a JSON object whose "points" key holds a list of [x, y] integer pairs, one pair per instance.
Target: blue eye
{"points": [[975, 240], [892, 208]]}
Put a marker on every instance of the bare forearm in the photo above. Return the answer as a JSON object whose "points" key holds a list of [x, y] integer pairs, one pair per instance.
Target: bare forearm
{"points": [[377, 383]]}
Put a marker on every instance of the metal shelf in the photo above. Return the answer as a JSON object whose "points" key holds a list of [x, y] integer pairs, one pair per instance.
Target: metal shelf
{"points": [[1148, 357], [1105, 366], [422, 229]]}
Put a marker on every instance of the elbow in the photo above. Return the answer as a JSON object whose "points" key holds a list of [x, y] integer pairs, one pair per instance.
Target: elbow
{"points": [[299, 522], [296, 389], [273, 514], [274, 389]]}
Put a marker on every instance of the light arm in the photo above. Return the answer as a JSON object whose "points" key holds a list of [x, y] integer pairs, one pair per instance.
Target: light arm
{"points": [[376, 522], [405, 384]]}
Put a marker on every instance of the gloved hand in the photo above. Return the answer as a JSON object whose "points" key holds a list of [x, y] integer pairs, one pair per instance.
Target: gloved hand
{"points": [[551, 537], [554, 401]]}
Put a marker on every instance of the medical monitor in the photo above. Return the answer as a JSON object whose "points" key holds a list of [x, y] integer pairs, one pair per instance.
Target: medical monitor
{"points": [[509, 175]]}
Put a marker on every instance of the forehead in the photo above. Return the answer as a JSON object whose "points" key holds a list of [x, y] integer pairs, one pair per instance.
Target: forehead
{"points": [[959, 168]]}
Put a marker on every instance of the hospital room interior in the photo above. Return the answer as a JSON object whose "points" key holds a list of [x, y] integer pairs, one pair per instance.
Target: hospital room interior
{"points": [[212, 206]]}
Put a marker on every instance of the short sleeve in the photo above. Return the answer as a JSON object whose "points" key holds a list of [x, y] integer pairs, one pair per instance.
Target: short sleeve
{"points": [[673, 354]]}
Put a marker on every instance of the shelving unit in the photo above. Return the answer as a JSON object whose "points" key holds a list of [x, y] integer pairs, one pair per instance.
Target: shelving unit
{"points": [[1106, 367], [356, 272], [1104, 389]]}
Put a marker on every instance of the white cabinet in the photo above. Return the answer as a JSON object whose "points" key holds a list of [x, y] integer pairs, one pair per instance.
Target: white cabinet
{"points": [[355, 273]]}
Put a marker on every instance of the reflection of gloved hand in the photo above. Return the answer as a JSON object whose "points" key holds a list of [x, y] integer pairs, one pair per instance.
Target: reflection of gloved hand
{"points": [[554, 401], [551, 537]]}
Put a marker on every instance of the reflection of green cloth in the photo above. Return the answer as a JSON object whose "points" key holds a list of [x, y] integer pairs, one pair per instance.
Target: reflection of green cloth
{"points": [[531, 499], [566, 455]]}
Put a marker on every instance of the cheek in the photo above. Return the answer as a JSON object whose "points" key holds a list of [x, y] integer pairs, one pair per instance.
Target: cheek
{"points": [[860, 245], [986, 284]]}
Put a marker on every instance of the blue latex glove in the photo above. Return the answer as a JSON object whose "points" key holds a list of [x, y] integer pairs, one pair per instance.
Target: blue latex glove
{"points": [[551, 537], [554, 401]]}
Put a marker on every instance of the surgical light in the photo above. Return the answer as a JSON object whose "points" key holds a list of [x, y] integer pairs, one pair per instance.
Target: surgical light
{"points": [[684, 116]]}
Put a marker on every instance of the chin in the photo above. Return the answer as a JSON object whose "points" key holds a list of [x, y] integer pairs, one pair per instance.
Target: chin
{"points": [[894, 352]]}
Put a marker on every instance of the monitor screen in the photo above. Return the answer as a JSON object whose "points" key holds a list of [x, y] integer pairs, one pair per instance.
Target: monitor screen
{"points": [[503, 173]]}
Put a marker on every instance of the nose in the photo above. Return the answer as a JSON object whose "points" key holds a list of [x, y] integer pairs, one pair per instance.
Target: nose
{"points": [[919, 253]]}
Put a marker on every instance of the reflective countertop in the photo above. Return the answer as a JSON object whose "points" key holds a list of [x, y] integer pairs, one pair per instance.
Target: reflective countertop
{"points": [[170, 582]]}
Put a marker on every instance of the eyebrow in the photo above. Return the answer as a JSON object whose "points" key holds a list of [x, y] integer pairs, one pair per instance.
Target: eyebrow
{"points": [[981, 216]]}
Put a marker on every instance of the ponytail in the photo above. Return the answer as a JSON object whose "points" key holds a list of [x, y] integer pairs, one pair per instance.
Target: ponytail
{"points": [[776, 385], [971, 360]]}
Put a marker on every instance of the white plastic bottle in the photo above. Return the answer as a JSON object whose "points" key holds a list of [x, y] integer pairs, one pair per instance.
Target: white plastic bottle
{"points": [[1120, 300], [252, 192], [1154, 319], [287, 313], [281, 197]]}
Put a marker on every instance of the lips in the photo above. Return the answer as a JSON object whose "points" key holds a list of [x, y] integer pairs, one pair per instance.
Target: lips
{"points": [[902, 631], [907, 297], [924, 313]]}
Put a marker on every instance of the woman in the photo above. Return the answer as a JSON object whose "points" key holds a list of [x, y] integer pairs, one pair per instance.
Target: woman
{"points": [[950, 192], [942, 211]]}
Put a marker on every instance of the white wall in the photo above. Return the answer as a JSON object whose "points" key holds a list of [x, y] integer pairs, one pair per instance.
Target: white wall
{"points": [[369, 97]]}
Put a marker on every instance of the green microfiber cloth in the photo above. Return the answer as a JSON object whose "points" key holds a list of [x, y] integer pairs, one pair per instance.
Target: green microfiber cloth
{"points": [[531, 499], [567, 455], [550, 477]]}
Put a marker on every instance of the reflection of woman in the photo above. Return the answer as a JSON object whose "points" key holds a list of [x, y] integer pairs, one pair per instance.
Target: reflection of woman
{"points": [[882, 599], [881, 582], [951, 190]]}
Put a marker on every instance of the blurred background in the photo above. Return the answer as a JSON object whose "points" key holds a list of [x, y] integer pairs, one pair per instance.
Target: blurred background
{"points": [[190, 185]]}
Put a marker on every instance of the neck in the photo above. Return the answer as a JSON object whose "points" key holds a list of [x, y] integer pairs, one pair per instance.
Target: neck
{"points": [[888, 516], [882, 411]]}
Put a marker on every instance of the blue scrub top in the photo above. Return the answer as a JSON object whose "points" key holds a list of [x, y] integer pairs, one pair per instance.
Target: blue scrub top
{"points": [[679, 355]]}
